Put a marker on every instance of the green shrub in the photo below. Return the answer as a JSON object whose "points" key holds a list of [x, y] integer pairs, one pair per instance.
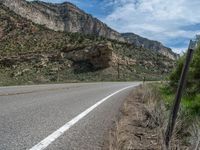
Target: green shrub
{"points": [[191, 98]]}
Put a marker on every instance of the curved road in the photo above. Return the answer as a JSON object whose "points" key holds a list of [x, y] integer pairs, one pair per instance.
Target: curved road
{"points": [[30, 114]]}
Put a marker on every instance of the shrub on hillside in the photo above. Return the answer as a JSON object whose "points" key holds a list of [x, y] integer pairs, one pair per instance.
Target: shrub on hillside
{"points": [[193, 82], [191, 99]]}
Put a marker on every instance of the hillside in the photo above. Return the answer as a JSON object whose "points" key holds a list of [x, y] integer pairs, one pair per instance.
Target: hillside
{"points": [[149, 44], [67, 17], [31, 53]]}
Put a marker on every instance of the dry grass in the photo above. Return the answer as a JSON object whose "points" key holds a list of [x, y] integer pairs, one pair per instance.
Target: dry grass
{"points": [[186, 135], [195, 131], [141, 122]]}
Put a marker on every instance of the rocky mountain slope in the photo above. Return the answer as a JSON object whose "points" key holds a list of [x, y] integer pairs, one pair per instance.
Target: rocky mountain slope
{"points": [[31, 53], [68, 17], [149, 44]]}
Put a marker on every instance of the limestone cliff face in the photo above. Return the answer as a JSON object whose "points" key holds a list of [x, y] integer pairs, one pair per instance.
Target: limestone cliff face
{"points": [[150, 45], [61, 17], [29, 11], [68, 17]]}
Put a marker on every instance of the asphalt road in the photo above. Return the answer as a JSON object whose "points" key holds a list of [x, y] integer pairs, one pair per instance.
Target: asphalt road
{"points": [[29, 114]]}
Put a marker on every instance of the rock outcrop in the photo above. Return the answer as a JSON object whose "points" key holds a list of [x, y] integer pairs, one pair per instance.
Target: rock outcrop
{"points": [[98, 56]]}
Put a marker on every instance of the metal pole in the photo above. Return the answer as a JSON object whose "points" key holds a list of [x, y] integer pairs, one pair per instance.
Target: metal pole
{"points": [[176, 106]]}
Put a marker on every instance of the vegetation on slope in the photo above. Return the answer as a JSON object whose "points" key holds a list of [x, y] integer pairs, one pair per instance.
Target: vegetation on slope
{"points": [[191, 101], [140, 122], [25, 47]]}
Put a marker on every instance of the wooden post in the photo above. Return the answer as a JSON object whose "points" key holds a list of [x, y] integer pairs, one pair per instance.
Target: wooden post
{"points": [[58, 73], [181, 85], [118, 71]]}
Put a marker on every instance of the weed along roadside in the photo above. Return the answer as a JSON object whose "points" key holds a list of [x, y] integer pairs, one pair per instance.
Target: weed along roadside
{"points": [[143, 121]]}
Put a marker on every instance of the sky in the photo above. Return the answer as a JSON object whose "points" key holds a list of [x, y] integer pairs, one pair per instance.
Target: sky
{"points": [[172, 22]]}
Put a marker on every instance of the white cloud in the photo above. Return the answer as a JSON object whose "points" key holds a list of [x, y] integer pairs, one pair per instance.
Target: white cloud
{"points": [[155, 19]]}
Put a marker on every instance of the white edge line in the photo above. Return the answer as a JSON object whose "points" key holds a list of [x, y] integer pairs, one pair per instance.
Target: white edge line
{"points": [[52, 137]]}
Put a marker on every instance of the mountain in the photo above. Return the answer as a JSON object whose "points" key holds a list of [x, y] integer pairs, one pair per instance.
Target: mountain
{"points": [[61, 17], [31, 53], [149, 44], [68, 17]]}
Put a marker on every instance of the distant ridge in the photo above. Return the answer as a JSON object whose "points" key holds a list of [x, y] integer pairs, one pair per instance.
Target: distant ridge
{"points": [[149, 44]]}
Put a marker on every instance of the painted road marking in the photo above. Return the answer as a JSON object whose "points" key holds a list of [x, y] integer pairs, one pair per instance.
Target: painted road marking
{"points": [[52, 137]]}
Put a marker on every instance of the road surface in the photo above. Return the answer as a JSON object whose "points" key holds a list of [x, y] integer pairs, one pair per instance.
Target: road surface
{"points": [[30, 115]]}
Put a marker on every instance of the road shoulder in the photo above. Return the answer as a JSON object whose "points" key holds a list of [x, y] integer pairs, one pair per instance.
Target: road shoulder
{"points": [[139, 125]]}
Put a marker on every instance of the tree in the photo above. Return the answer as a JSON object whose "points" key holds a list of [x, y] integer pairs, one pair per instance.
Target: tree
{"points": [[193, 83]]}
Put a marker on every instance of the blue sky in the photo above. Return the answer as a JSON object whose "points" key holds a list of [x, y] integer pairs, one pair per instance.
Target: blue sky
{"points": [[173, 22]]}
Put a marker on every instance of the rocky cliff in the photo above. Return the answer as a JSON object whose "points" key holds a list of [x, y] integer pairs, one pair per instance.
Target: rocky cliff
{"points": [[61, 17], [68, 17], [149, 44]]}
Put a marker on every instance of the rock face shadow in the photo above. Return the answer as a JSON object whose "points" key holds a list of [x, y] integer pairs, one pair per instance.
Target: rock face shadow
{"points": [[91, 58]]}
